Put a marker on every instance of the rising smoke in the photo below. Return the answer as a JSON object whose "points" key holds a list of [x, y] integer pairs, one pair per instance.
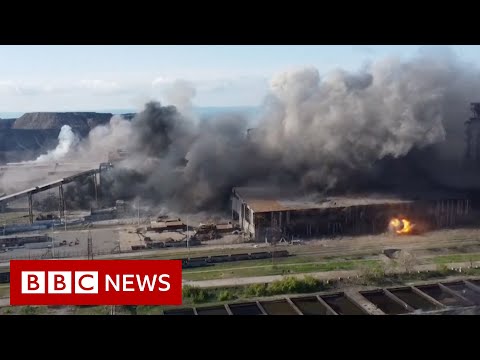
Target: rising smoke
{"points": [[67, 140], [391, 125], [347, 131]]}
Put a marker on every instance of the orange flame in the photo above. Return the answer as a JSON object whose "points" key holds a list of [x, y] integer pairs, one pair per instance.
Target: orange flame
{"points": [[401, 226]]}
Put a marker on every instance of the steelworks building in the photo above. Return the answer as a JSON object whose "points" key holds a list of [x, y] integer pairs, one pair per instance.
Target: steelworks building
{"points": [[268, 214]]}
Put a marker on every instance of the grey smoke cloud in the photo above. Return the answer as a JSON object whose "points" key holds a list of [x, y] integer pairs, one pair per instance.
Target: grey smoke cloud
{"points": [[316, 133], [349, 121], [342, 131]]}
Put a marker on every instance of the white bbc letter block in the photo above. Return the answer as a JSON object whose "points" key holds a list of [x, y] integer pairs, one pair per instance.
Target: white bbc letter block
{"points": [[33, 282], [86, 282], [59, 282]]}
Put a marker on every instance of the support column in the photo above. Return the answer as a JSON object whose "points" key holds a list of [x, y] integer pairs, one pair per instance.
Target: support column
{"points": [[294, 307], [96, 191], [61, 202], [329, 309], [229, 311], [398, 300], [427, 297], [30, 208], [456, 295], [261, 308]]}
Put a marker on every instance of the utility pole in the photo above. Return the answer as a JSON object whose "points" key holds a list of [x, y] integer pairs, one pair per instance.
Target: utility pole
{"points": [[30, 208], [89, 246], [95, 187], [273, 252], [61, 202], [53, 244], [65, 213], [188, 236], [138, 212]]}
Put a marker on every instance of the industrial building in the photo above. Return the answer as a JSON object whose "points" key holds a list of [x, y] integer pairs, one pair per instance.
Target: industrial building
{"points": [[268, 214]]}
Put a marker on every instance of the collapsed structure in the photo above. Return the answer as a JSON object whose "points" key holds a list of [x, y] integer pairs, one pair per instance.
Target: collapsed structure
{"points": [[273, 214]]}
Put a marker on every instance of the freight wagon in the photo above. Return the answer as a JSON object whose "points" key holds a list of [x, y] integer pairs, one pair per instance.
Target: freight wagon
{"points": [[210, 260]]}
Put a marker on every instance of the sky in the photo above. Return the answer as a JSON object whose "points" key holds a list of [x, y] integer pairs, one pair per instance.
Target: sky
{"points": [[96, 78]]}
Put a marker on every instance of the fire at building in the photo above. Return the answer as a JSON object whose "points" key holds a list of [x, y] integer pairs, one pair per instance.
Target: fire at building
{"points": [[269, 215], [402, 226]]}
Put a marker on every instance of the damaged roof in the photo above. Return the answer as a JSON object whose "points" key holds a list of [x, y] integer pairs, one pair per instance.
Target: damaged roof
{"points": [[271, 199]]}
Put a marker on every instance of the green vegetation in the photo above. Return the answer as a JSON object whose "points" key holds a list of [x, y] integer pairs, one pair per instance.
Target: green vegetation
{"points": [[7, 310], [293, 285], [255, 290], [278, 269], [457, 258], [129, 309], [287, 285], [402, 278], [92, 310], [197, 295], [225, 295], [30, 310], [150, 310]]}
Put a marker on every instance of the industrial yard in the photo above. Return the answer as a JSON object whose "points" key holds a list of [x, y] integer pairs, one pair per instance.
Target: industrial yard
{"points": [[243, 263], [222, 256]]}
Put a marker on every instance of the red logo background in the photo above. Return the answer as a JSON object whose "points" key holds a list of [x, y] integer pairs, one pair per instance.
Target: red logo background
{"points": [[104, 267]]}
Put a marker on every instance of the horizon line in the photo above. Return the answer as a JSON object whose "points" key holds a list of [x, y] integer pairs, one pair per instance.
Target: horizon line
{"points": [[120, 111]]}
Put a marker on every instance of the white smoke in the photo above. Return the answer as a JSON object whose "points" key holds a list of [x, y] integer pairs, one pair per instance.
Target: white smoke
{"points": [[180, 94], [67, 140]]}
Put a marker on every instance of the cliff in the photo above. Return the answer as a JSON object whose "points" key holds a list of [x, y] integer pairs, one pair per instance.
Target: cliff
{"points": [[35, 133], [80, 122]]}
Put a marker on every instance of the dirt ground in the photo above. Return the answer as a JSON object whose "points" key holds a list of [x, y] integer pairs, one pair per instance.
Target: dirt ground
{"points": [[106, 242]]}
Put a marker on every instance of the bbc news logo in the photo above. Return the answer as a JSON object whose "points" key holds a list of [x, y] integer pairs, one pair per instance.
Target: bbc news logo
{"points": [[95, 282], [59, 282]]}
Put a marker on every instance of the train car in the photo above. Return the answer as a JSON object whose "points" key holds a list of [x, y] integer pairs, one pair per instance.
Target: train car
{"points": [[239, 257], [219, 259], [260, 255], [210, 260], [279, 253]]}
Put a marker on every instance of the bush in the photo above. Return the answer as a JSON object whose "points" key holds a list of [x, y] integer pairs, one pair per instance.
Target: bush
{"points": [[132, 309], [372, 274], [290, 285], [225, 295], [7, 311], [256, 290], [442, 268], [29, 310], [197, 295]]}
